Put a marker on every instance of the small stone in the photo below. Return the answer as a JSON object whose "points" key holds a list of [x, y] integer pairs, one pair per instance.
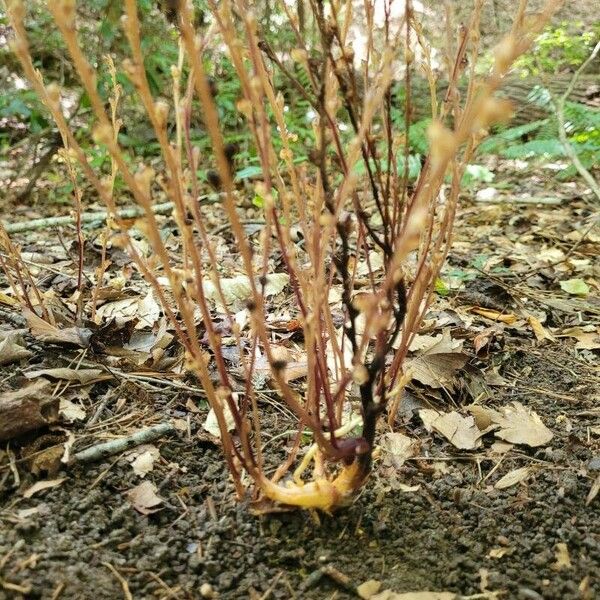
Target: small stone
{"points": [[206, 591]]}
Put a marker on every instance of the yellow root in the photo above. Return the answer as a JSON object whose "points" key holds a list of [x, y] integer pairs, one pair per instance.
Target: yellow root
{"points": [[322, 493], [347, 427]]}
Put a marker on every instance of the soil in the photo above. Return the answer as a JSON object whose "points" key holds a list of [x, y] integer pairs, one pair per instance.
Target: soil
{"points": [[437, 523], [437, 538]]}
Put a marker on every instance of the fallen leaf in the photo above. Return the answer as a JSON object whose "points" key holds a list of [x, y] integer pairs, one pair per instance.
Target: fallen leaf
{"points": [[83, 376], [512, 478], [148, 311], [25, 513], [375, 262], [39, 486], [540, 332], [563, 560], [212, 424], [236, 290], [368, 589], [495, 315], [46, 462], [436, 344], [144, 458], [436, 370], [575, 287], [120, 311], [588, 337], [45, 332], [520, 425], [8, 300], [144, 499], [397, 448], [12, 347], [461, 432], [192, 406], [70, 412], [294, 361], [481, 416]]}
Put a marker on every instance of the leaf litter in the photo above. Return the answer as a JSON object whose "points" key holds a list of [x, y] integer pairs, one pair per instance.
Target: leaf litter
{"points": [[461, 336]]}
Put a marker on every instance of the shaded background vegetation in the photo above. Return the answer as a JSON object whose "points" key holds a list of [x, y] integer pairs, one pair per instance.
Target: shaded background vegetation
{"points": [[30, 141]]}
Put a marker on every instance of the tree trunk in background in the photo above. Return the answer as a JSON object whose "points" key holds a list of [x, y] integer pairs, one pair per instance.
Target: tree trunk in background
{"points": [[586, 91]]}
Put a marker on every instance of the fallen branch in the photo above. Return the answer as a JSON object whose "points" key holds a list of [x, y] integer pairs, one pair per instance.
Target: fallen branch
{"points": [[105, 449], [94, 218]]}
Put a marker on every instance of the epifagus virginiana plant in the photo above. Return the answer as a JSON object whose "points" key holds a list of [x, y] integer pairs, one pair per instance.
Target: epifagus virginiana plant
{"points": [[351, 200]]}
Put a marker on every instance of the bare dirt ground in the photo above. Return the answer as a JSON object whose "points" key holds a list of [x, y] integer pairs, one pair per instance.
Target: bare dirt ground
{"points": [[502, 520]]}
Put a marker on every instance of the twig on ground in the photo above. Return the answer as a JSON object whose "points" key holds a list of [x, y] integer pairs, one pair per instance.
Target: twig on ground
{"points": [[94, 218], [334, 574], [105, 449], [121, 579]]}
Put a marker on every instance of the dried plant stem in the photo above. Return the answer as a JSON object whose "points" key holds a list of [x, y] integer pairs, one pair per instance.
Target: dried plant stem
{"points": [[347, 221]]}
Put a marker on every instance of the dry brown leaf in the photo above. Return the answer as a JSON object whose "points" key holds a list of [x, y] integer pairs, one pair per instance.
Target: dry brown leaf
{"points": [[442, 343], [587, 336], [436, 370], [211, 424], [39, 486], [143, 459], [144, 499], [296, 364], [406, 489], [83, 376], [148, 311], [481, 415], [8, 300], [461, 432], [45, 332], [145, 310], [500, 448], [520, 425], [397, 448], [540, 332], [12, 347], [495, 315], [375, 263], [70, 412], [512, 478], [192, 406], [236, 290]]}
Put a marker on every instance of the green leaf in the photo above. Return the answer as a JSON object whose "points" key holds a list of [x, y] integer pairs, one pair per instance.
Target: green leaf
{"points": [[248, 172], [548, 148], [441, 288], [575, 287], [475, 173]]}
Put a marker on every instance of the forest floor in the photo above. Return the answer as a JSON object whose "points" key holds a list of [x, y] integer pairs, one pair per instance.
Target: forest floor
{"points": [[518, 317]]}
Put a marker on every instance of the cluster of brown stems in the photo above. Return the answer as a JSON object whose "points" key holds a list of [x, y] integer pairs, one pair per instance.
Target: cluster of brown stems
{"points": [[345, 218]]}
